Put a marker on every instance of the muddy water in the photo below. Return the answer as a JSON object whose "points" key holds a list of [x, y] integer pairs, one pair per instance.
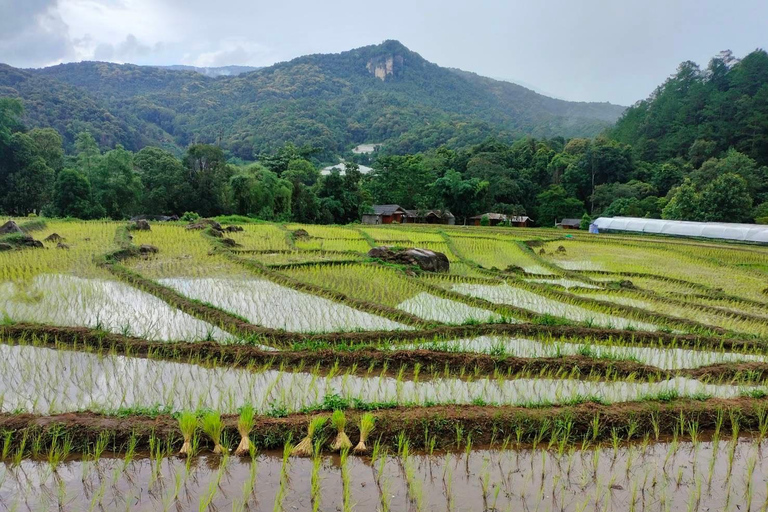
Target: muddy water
{"points": [[271, 305], [45, 381], [663, 476], [664, 358], [99, 303]]}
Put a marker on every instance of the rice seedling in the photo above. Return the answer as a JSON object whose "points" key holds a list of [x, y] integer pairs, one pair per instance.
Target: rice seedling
{"points": [[244, 426], [211, 424], [305, 446], [341, 442], [367, 422], [187, 424]]}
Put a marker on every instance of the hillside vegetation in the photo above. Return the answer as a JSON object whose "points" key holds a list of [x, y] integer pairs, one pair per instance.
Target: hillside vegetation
{"points": [[326, 101]]}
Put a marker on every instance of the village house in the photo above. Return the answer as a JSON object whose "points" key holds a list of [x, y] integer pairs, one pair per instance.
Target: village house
{"points": [[429, 217], [384, 214], [394, 214], [568, 224], [494, 219]]}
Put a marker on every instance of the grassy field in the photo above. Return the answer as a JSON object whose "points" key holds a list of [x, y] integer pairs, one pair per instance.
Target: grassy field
{"points": [[278, 367]]}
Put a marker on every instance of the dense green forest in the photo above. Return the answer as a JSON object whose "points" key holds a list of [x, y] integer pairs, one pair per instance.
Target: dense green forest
{"points": [[696, 149], [332, 102]]}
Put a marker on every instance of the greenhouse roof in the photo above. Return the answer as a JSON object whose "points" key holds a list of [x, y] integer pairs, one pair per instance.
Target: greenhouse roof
{"points": [[723, 230]]}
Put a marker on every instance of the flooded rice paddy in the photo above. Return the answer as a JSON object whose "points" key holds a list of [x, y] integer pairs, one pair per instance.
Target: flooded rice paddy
{"points": [[47, 381], [664, 358], [112, 306], [430, 307], [505, 294], [268, 304], [664, 476]]}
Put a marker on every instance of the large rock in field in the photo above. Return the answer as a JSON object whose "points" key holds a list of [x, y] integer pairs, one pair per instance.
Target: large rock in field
{"points": [[425, 259], [140, 225], [205, 223], [10, 228]]}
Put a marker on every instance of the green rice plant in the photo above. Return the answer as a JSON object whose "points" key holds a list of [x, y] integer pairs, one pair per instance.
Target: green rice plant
{"points": [[304, 448], [187, 424], [211, 424], [367, 422], [339, 421], [244, 426]]}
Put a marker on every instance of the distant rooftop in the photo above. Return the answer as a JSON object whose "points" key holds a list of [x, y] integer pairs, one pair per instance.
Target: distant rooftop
{"points": [[386, 209]]}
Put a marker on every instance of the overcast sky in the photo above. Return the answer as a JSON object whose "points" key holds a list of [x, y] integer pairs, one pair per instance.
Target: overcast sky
{"points": [[590, 50]]}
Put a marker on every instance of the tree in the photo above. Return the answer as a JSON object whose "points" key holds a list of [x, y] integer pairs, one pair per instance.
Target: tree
{"points": [[72, 196], [402, 180], [685, 203], [48, 143], [208, 175], [30, 187], [463, 198], [760, 213], [87, 152], [165, 188], [726, 199], [341, 198], [115, 184], [555, 203], [586, 220]]}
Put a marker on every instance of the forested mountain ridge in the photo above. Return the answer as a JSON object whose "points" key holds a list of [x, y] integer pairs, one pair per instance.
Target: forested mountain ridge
{"points": [[382, 93], [698, 114]]}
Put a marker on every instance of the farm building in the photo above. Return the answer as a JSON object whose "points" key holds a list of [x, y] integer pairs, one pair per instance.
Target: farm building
{"points": [[520, 221], [429, 217], [568, 224], [384, 214], [494, 219], [721, 230]]}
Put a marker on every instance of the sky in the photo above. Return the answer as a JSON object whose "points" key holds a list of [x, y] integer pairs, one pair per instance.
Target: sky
{"points": [[584, 50]]}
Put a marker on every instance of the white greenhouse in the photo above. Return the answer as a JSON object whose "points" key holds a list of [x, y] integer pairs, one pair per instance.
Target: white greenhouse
{"points": [[723, 230]]}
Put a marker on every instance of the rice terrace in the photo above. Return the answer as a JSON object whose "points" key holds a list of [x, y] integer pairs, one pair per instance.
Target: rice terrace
{"points": [[233, 364]]}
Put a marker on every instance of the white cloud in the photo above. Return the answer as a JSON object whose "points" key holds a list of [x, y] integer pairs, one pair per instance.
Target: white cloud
{"points": [[32, 34], [233, 51]]}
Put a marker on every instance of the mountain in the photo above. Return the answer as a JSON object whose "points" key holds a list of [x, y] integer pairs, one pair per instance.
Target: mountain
{"points": [[382, 93]]}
